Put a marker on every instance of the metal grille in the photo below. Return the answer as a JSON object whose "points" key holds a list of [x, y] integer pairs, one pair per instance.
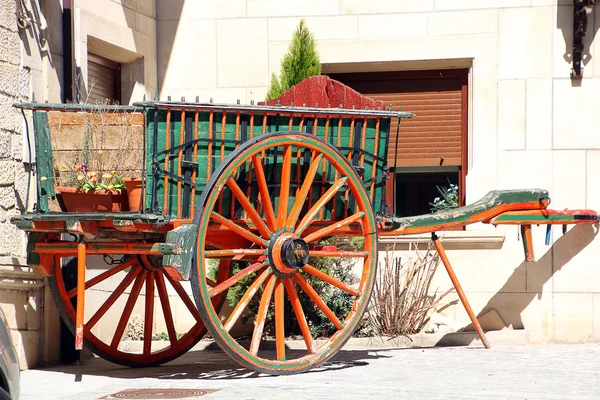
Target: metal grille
{"points": [[159, 393]]}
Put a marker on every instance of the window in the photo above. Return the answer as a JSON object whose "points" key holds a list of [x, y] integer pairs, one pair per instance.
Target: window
{"points": [[431, 150], [104, 80]]}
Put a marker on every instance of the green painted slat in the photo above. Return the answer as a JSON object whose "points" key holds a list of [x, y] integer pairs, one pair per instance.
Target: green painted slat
{"points": [[273, 123], [43, 151]]}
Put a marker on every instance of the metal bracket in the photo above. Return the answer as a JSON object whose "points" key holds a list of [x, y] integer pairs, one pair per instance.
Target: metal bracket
{"points": [[581, 10]]}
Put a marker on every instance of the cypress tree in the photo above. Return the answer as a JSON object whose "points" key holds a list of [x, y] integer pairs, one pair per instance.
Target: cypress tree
{"points": [[300, 62]]}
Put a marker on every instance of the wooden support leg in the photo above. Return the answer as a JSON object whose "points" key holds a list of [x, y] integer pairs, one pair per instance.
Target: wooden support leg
{"points": [[458, 288], [527, 242], [80, 295]]}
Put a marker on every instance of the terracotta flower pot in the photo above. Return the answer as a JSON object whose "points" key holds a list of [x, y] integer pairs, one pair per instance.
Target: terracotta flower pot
{"points": [[134, 192], [76, 200]]}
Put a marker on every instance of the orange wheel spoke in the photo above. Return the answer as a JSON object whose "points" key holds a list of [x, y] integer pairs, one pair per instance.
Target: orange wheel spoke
{"points": [[166, 306], [261, 315], [209, 282], [333, 227], [329, 279], [318, 301], [300, 317], [133, 296], [231, 253], [348, 254], [185, 298], [105, 275], [243, 303], [265, 198], [149, 317], [301, 197], [238, 229], [284, 188], [249, 208], [311, 214], [279, 324], [236, 278], [133, 273]]}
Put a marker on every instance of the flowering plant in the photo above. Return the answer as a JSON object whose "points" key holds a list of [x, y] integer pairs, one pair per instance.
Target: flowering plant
{"points": [[89, 180]]}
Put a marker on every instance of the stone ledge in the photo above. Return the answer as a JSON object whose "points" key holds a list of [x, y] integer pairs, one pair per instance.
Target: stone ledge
{"points": [[496, 338]]}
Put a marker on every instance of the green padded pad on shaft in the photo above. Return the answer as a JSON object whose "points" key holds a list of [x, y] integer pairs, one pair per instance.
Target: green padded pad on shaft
{"points": [[491, 200]]}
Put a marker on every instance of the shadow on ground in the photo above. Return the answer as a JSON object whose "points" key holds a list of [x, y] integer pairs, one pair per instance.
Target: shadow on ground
{"points": [[207, 364]]}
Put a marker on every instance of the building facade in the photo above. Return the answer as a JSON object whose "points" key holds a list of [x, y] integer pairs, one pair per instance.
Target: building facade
{"points": [[492, 78]]}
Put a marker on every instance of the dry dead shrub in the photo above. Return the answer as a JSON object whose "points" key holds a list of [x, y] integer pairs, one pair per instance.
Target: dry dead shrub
{"points": [[402, 299]]}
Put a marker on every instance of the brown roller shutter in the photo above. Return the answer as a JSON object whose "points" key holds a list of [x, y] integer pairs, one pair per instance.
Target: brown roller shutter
{"points": [[436, 136], [104, 78]]}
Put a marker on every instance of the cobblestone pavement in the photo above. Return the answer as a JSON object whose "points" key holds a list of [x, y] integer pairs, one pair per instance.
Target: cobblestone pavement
{"points": [[519, 372]]}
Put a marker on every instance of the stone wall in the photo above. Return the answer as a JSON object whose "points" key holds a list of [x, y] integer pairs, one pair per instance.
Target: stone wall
{"points": [[529, 124]]}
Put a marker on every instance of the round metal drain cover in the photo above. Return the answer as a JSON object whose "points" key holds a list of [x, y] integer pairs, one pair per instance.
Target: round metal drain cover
{"points": [[160, 393]]}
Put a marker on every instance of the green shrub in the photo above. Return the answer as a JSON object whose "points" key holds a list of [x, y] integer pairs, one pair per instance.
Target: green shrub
{"points": [[300, 62]]}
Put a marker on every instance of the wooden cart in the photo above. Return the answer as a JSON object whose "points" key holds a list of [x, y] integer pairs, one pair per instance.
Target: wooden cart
{"points": [[255, 187]]}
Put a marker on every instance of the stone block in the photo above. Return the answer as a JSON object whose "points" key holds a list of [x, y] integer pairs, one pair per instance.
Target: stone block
{"points": [[9, 116], [462, 22], [237, 40], [10, 79], [195, 42], [33, 311], [537, 317], [570, 101], [573, 321], [526, 42], [146, 7], [525, 169], [575, 255], [13, 303], [5, 146], [277, 8], [323, 28], [469, 4], [94, 7], [509, 307], [123, 16], [538, 124], [384, 6], [256, 94], [511, 115], [7, 173], [12, 240], [27, 346], [7, 15], [483, 48], [593, 179], [563, 44], [568, 179], [392, 26], [10, 46], [145, 25], [175, 10], [7, 197]]}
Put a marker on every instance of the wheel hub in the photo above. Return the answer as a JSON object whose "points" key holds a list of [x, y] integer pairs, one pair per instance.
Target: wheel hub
{"points": [[288, 253]]}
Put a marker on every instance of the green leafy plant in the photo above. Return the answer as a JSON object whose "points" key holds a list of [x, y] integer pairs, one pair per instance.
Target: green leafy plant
{"points": [[448, 198], [300, 62], [88, 180]]}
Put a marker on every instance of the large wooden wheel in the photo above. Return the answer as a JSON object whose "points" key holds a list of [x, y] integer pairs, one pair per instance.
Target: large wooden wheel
{"points": [[297, 178], [134, 295]]}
